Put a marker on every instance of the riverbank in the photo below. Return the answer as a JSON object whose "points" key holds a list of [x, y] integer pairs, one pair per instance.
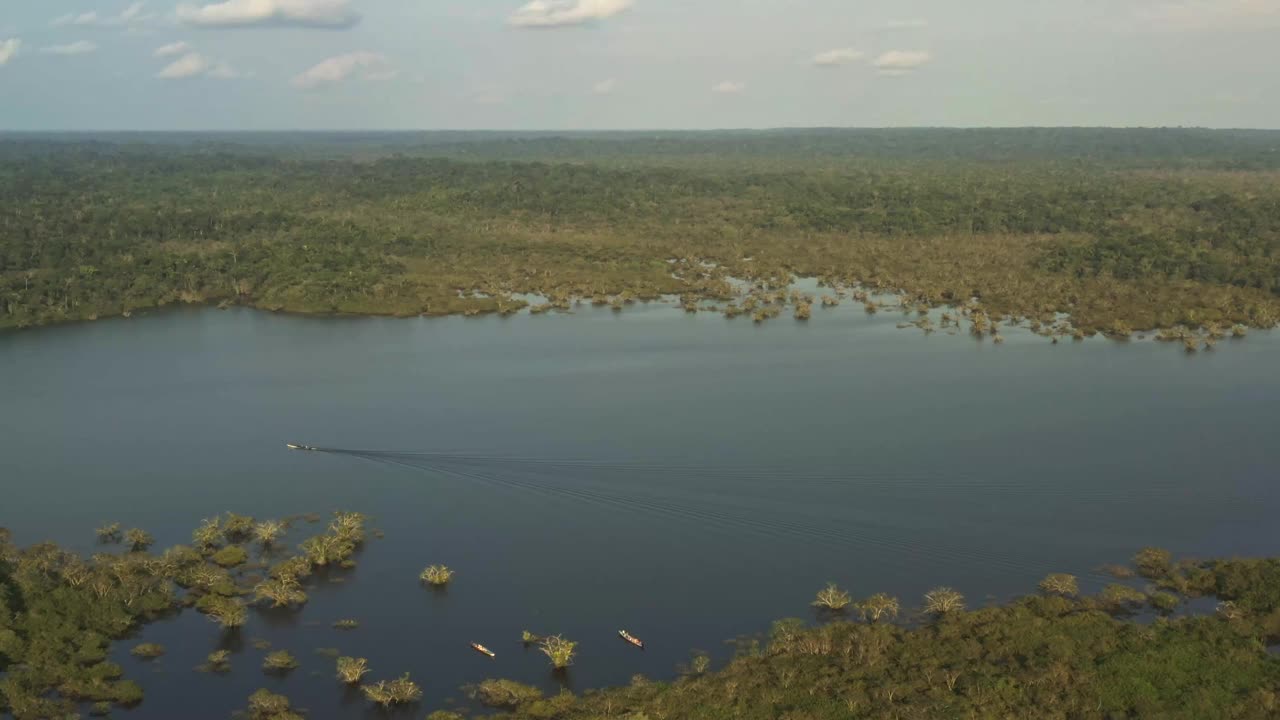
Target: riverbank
{"points": [[1132, 649], [1108, 246]]}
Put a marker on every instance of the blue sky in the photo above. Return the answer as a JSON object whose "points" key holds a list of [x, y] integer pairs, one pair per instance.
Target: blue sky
{"points": [[618, 64]]}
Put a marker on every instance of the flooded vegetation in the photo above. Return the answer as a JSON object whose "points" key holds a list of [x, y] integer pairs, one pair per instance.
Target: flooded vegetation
{"points": [[1081, 231], [1059, 651], [762, 466]]}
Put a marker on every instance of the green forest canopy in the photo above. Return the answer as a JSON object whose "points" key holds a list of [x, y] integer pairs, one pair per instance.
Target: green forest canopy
{"points": [[1119, 229]]}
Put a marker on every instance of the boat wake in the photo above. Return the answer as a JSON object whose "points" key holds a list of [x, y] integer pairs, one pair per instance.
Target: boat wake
{"points": [[818, 509]]}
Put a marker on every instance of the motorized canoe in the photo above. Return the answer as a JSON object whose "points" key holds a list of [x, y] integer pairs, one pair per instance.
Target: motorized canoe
{"points": [[482, 649], [631, 639]]}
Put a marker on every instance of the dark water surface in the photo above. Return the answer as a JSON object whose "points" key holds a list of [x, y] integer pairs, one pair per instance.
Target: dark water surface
{"points": [[721, 473]]}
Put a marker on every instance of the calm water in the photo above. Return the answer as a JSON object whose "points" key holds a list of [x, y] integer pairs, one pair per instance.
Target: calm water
{"points": [[721, 473]]}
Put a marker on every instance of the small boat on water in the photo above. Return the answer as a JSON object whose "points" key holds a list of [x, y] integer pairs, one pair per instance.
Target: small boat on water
{"points": [[631, 639], [294, 446], [482, 649]]}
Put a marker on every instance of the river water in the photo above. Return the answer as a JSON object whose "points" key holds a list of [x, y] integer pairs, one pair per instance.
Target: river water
{"points": [[686, 477]]}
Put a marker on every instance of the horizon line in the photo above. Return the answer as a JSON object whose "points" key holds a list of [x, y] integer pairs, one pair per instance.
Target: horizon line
{"points": [[779, 128]]}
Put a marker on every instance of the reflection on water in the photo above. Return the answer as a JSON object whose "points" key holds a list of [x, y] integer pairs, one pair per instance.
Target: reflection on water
{"points": [[686, 477]]}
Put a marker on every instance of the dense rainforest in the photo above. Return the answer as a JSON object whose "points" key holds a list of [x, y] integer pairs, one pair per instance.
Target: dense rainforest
{"points": [[1116, 230], [1145, 646]]}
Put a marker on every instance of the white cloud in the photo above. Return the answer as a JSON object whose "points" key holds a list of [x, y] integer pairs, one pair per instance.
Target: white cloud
{"points": [[558, 13], [1193, 15], [332, 14], [193, 64], [906, 24], [729, 87], [336, 69], [901, 62], [604, 87], [171, 49], [9, 48], [128, 17], [133, 12], [189, 65], [223, 71], [76, 48], [89, 18], [839, 56]]}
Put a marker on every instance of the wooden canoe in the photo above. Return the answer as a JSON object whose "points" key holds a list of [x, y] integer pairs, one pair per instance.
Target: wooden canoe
{"points": [[631, 639]]}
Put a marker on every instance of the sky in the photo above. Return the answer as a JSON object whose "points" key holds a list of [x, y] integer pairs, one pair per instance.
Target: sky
{"points": [[635, 64]]}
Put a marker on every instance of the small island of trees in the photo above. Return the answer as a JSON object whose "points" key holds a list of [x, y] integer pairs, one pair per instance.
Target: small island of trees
{"points": [[1133, 649]]}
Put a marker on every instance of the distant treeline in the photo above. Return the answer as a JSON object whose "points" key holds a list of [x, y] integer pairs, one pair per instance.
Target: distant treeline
{"points": [[1168, 224], [1222, 149]]}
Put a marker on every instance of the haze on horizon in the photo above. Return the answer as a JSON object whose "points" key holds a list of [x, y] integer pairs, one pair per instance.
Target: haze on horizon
{"points": [[621, 64]]}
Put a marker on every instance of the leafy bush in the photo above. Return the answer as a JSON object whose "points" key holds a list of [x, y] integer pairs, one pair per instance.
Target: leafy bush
{"points": [[279, 661], [438, 575], [351, 670], [230, 556]]}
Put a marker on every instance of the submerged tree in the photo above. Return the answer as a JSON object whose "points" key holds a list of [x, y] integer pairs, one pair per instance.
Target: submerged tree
{"points": [[147, 651], [237, 528], [437, 575], [1153, 562], [1060, 584], [230, 613], [138, 540], [351, 670], [218, 661], [832, 598], [267, 532], [266, 705], [230, 556], [280, 662], [506, 694], [208, 535], [109, 533], [283, 591], [387, 693], [323, 550], [348, 527], [559, 650], [943, 601], [1121, 598], [294, 568], [879, 606]]}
